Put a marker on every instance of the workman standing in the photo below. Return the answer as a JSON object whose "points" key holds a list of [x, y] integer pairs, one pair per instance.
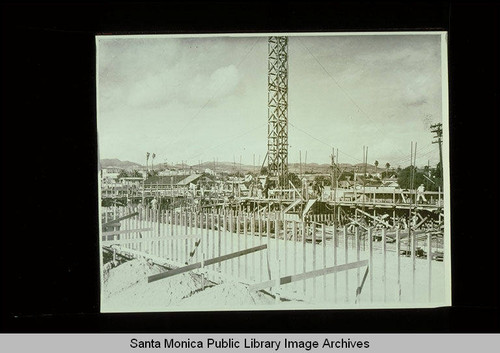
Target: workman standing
{"points": [[420, 193]]}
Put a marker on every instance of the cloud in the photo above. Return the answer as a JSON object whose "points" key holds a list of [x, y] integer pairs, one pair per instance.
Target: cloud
{"points": [[177, 85]]}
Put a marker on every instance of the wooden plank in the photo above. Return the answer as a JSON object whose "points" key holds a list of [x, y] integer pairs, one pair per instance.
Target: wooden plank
{"points": [[360, 288], [109, 223], [125, 231], [206, 263], [144, 240], [375, 218], [307, 275], [118, 224], [158, 260]]}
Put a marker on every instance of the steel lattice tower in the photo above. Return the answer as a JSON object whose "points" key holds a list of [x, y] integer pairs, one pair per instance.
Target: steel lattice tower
{"points": [[277, 128]]}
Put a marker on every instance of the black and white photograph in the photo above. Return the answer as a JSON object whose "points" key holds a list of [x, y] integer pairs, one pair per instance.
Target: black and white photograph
{"points": [[273, 171]]}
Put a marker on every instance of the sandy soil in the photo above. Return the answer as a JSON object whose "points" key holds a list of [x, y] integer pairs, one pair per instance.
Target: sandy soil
{"points": [[126, 289]]}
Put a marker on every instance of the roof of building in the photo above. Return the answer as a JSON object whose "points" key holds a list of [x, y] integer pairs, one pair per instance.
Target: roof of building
{"points": [[189, 179], [165, 179]]}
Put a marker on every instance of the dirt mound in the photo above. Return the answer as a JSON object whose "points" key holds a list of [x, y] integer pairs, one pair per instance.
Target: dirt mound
{"points": [[125, 289], [226, 295], [126, 275]]}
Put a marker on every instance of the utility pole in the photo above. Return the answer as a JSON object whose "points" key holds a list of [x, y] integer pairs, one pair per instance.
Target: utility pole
{"points": [[438, 130], [300, 164], [333, 173]]}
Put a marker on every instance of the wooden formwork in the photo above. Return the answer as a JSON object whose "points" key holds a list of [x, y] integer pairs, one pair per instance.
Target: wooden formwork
{"points": [[297, 259]]}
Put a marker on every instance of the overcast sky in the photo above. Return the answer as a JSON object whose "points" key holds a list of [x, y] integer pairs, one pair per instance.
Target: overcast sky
{"points": [[196, 99]]}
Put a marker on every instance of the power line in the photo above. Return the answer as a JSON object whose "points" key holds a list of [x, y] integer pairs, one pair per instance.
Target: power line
{"points": [[227, 141], [323, 142], [345, 92]]}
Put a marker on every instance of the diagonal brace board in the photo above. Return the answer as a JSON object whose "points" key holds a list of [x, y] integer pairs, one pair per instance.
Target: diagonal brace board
{"points": [[120, 219], [206, 263], [126, 231], [360, 288], [374, 218], [306, 275]]}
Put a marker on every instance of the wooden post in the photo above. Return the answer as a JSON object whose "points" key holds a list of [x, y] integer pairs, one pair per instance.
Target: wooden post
{"points": [[357, 239], [285, 245], [335, 242], [207, 237], [189, 228], [172, 226], [245, 243], [294, 232], [183, 254], [413, 274], [304, 234], [429, 261], [384, 247], [398, 247], [268, 232], [224, 222], [278, 277], [232, 239], [314, 257], [260, 243], [276, 234], [252, 234], [346, 259], [323, 242], [370, 263]]}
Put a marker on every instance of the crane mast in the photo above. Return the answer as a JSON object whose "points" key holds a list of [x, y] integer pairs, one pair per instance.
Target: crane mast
{"points": [[277, 130]]}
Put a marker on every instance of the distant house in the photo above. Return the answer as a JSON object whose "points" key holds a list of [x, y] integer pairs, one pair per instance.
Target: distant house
{"points": [[161, 182], [164, 181], [190, 179], [131, 181], [209, 171]]}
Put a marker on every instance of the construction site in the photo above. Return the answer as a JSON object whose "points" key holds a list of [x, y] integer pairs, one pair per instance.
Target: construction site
{"points": [[196, 241]]}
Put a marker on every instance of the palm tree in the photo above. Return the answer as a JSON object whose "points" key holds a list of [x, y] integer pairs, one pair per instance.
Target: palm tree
{"points": [[153, 161], [147, 161], [376, 167]]}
